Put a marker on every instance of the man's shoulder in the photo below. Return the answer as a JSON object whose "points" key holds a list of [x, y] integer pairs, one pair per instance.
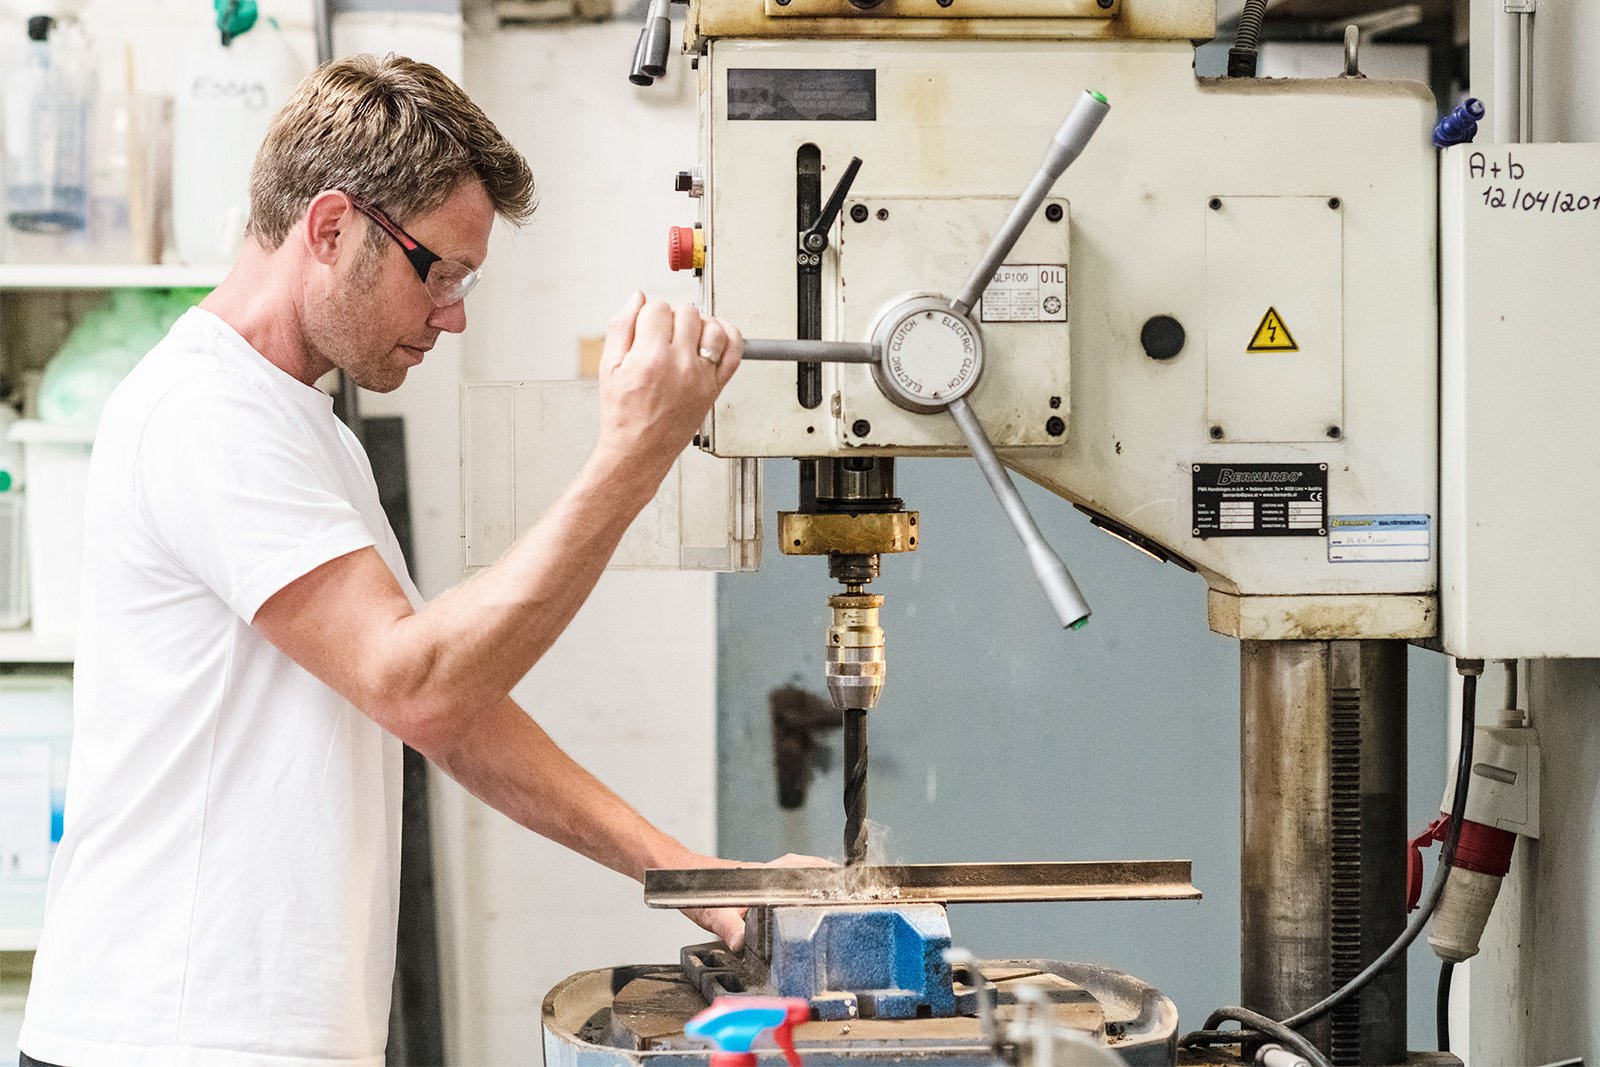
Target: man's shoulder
{"points": [[187, 375]]}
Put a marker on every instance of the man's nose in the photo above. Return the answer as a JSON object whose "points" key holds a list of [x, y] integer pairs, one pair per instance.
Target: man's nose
{"points": [[452, 318]]}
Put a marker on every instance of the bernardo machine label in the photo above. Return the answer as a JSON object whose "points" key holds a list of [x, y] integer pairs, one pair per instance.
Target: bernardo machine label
{"points": [[1026, 292], [1378, 539], [1260, 499]]}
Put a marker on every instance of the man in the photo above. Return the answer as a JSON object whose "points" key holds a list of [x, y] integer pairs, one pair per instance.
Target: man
{"points": [[253, 653]]}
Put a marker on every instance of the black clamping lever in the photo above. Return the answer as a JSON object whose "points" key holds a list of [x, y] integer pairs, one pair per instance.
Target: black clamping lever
{"points": [[814, 241], [650, 54]]}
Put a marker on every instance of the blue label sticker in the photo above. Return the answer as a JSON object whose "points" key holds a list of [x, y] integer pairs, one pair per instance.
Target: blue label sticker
{"points": [[1380, 538]]}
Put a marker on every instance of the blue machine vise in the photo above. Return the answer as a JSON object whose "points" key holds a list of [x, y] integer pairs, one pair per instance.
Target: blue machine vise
{"points": [[849, 962]]}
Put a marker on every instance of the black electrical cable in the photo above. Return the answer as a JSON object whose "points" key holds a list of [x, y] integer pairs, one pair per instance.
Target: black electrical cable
{"points": [[1447, 857], [1441, 1006], [1269, 1029], [1247, 40], [1469, 669]]}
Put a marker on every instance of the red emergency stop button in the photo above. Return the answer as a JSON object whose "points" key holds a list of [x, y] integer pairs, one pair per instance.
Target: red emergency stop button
{"points": [[686, 248]]}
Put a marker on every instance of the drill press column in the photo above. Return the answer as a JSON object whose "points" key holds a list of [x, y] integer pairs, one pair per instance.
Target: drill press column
{"points": [[1322, 761]]}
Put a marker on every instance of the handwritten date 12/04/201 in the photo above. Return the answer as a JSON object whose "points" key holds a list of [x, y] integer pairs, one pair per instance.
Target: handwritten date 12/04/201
{"points": [[1534, 201]]}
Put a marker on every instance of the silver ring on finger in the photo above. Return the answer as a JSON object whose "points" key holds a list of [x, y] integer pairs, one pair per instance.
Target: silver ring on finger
{"points": [[713, 358]]}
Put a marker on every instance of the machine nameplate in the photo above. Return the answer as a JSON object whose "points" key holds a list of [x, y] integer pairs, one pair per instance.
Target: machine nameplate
{"points": [[1260, 499], [1026, 292], [770, 94], [1379, 538]]}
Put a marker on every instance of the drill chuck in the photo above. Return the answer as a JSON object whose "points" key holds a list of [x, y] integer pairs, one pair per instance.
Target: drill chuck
{"points": [[855, 667]]}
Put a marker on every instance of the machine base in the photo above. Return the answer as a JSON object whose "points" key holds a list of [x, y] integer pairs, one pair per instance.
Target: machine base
{"points": [[624, 1016]]}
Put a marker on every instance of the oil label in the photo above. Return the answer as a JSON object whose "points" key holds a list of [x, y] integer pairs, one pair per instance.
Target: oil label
{"points": [[1026, 292]]}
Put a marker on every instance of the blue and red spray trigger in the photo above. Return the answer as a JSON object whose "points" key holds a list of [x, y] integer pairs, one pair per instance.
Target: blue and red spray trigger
{"points": [[733, 1024]]}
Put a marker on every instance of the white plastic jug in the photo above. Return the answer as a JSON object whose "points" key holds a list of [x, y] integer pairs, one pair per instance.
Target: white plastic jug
{"points": [[225, 100]]}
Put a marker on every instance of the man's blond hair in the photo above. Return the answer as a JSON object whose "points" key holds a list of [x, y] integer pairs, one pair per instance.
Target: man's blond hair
{"points": [[388, 131]]}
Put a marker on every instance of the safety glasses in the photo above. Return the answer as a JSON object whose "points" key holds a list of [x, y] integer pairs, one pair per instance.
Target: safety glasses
{"points": [[446, 280]]}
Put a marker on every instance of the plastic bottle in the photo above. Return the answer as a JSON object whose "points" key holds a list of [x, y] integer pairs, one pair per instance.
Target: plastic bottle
{"points": [[46, 132], [226, 98]]}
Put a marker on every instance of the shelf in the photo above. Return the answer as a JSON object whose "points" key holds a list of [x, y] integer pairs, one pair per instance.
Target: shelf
{"points": [[108, 276], [19, 938], [21, 646], [32, 431]]}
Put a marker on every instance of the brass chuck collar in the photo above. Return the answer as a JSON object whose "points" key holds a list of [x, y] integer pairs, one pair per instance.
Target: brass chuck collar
{"points": [[855, 666]]}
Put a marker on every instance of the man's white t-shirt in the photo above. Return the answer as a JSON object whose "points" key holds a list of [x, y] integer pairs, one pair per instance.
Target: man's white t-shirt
{"points": [[226, 891]]}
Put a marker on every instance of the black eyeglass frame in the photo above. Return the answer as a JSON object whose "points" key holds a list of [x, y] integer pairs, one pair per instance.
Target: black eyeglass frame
{"points": [[421, 257]]}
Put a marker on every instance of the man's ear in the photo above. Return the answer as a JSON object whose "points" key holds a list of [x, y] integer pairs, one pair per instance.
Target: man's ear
{"points": [[328, 225]]}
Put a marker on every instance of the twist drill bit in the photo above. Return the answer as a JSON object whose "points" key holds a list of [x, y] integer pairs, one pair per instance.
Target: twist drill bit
{"points": [[855, 786], [855, 667]]}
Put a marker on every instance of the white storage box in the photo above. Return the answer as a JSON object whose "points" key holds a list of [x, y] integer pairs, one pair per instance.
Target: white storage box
{"points": [[56, 459], [35, 737]]}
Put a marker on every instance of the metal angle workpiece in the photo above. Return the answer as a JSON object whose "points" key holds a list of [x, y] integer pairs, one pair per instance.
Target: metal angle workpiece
{"points": [[946, 883]]}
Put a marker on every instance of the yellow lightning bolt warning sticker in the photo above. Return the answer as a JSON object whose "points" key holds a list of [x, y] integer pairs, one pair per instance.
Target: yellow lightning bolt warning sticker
{"points": [[1272, 335]]}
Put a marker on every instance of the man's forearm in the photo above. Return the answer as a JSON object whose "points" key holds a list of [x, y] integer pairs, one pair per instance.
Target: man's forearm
{"points": [[466, 650], [509, 762]]}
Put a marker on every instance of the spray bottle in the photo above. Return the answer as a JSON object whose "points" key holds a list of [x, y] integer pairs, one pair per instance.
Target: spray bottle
{"points": [[732, 1025]]}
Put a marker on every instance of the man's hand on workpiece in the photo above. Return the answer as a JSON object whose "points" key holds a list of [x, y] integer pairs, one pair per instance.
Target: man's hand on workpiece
{"points": [[660, 372], [728, 923]]}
